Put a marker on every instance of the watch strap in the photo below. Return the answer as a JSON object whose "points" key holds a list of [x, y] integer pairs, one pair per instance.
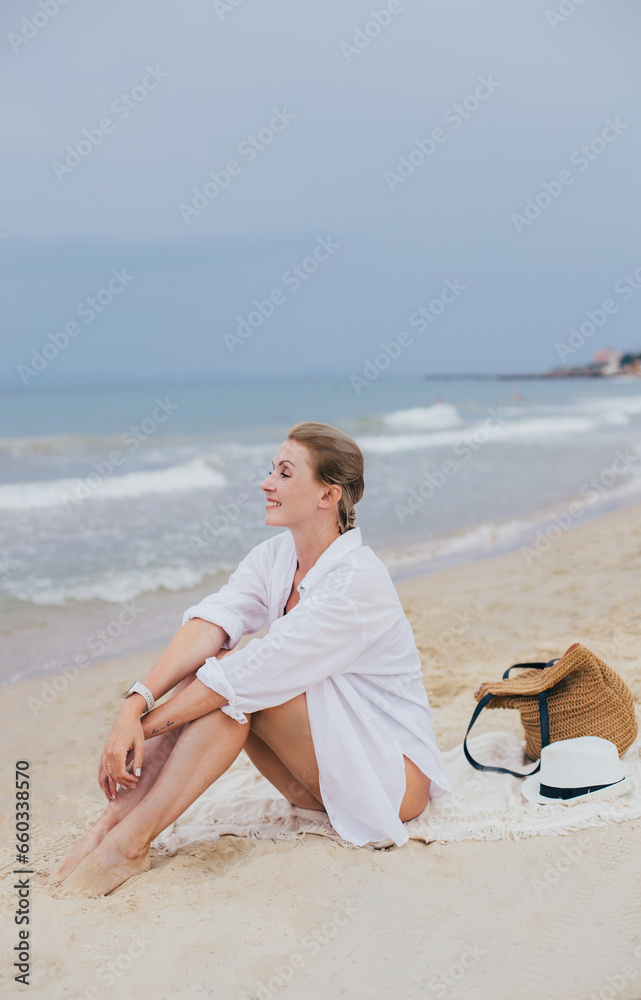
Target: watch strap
{"points": [[139, 688]]}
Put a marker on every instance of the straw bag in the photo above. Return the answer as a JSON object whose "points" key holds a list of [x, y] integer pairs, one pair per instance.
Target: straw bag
{"points": [[576, 695]]}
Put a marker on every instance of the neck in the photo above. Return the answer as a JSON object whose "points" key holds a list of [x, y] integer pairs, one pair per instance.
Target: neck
{"points": [[310, 545]]}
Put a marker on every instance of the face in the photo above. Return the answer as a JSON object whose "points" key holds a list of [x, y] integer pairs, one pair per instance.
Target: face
{"points": [[293, 495]]}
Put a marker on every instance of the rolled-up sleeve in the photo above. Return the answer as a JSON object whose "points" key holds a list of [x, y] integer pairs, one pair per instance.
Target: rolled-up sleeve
{"points": [[324, 635], [241, 604]]}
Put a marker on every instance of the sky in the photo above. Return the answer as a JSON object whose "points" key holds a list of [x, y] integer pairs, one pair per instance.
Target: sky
{"points": [[292, 189]]}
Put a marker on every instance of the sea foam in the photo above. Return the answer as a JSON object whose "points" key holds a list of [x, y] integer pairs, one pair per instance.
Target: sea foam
{"points": [[196, 474]]}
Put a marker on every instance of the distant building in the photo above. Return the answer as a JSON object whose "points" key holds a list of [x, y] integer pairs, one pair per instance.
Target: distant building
{"points": [[608, 360]]}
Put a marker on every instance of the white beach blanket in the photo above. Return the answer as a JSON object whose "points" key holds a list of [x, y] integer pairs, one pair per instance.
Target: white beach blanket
{"points": [[482, 805]]}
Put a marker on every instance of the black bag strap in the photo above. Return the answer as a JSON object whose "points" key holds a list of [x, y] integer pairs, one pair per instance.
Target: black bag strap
{"points": [[544, 717], [526, 666]]}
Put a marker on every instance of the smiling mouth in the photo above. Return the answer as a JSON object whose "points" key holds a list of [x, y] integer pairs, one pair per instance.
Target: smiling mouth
{"points": [[273, 503]]}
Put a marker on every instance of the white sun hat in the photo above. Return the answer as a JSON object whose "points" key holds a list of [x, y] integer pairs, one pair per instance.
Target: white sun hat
{"points": [[577, 770]]}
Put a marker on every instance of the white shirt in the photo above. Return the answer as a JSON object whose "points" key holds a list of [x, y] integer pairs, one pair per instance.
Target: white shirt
{"points": [[349, 646]]}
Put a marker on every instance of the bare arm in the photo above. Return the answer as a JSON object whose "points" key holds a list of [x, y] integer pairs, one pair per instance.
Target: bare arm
{"points": [[187, 651], [191, 703], [190, 647]]}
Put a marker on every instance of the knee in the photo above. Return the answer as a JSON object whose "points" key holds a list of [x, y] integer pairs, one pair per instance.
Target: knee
{"points": [[293, 713]]}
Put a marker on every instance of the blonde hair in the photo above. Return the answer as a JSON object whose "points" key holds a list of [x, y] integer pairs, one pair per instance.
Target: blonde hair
{"points": [[336, 460]]}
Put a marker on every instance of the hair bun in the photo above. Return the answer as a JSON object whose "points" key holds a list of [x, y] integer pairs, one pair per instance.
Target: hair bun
{"points": [[346, 520]]}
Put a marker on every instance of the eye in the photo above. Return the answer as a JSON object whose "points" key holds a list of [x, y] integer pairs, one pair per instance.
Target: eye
{"points": [[285, 475]]}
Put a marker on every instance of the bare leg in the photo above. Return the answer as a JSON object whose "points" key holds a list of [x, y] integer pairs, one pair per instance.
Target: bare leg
{"points": [[417, 791], [157, 751], [272, 768], [205, 750], [290, 757], [292, 765]]}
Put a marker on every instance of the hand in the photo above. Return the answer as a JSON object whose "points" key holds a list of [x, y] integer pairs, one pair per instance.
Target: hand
{"points": [[126, 743]]}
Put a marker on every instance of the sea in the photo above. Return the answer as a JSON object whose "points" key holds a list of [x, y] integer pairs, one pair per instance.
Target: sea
{"points": [[122, 506]]}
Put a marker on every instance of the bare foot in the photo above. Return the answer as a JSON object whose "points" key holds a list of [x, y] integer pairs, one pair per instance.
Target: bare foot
{"points": [[78, 852], [107, 867]]}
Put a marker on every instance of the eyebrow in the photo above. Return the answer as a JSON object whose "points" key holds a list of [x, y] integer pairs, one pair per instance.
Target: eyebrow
{"points": [[282, 462]]}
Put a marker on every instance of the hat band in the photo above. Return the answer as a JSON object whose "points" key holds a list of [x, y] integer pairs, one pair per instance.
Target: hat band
{"points": [[554, 792]]}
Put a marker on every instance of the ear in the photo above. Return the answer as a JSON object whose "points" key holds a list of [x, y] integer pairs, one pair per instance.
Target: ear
{"points": [[331, 496]]}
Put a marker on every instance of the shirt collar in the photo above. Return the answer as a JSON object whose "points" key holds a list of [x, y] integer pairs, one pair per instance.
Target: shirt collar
{"points": [[340, 546]]}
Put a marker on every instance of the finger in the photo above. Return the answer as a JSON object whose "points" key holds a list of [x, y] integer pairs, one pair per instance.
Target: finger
{"points": [[103, 782], [102, 776], [139, 753], [121, 775], [116, 768], [110, 786]]}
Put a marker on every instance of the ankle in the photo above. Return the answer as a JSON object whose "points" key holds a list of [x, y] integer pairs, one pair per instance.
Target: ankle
{"points": [[109, 819], [131, 847], [135, 852]]}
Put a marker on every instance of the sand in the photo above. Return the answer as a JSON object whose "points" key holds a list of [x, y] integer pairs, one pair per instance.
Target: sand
{"points": [[544, 917]]}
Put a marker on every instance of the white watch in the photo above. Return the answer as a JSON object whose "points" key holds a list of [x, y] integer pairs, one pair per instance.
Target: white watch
{"points": [[139, 688]]}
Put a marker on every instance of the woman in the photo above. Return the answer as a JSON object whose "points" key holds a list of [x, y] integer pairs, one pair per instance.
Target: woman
{"points": [[329, 704]]}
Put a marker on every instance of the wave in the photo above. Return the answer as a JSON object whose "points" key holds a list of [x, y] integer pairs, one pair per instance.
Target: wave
{"points": [[423, 418], [616, 410], [184, 477], [481, 431], [53, 443], [480, 540], [489, 539], [115, 586]]}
